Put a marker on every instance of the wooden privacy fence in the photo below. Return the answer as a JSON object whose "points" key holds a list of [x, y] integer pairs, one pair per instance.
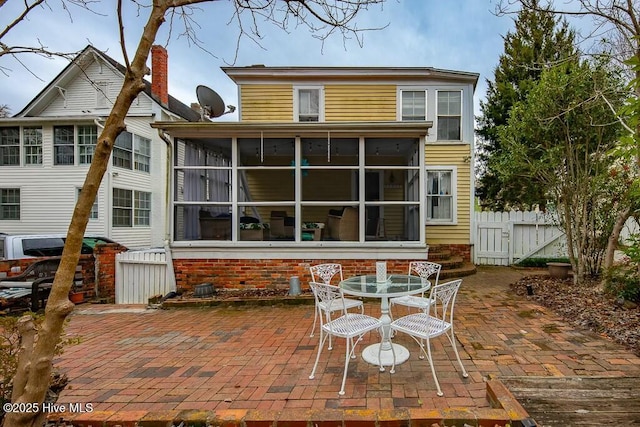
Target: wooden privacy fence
{"points": [[141, 275], [502, 238]]}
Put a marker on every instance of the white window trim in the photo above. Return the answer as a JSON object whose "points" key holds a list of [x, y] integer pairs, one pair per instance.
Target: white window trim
{"points": [[24, 145], [136, 198], [401, 89], [462, 118], [135, 139], [132, 209], [454, 194], [19, 145], [296, 101], [20, 204], [75, 146]]}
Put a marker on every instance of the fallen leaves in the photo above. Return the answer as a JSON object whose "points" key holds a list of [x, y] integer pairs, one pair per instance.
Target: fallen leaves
{"points": [[585, 306]]}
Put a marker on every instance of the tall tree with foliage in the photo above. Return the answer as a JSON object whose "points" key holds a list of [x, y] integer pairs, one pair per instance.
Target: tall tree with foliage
{"points": [[322, 17], [562, 136], [538, 41], [616, 30]]}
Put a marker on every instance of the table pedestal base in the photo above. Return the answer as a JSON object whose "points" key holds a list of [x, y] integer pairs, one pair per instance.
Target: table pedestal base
{"points": [[370, 355]]}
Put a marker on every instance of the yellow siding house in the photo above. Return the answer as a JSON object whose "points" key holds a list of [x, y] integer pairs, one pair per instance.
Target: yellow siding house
{"points": [[328, 163]]}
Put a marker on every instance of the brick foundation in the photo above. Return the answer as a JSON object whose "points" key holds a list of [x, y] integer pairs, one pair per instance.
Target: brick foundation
{"points": [[275, 273], [265, 273]]}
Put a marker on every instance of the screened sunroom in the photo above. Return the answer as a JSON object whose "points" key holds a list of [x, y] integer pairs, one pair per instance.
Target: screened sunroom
{"points": [[301, 184]]}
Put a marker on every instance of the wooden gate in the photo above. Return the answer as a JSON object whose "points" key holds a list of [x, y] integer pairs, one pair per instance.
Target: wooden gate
{"points": [[503, 238], [141, 275]]}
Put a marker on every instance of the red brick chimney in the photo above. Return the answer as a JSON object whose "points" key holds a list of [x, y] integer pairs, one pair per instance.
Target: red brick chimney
{"points": [[159, 75]]}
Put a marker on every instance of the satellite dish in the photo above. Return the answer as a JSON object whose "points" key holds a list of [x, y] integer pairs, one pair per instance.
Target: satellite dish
{"points": [[211, 103]]}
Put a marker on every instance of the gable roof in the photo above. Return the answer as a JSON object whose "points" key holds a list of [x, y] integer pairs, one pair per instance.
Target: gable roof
{"points": [[70, 72]]}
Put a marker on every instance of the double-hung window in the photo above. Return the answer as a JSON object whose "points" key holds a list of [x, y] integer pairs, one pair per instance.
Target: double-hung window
{"points": [[132, 152], [441, 195], [32, 140], [449, 115], [123, 150], [413, 105], [63, 145], [9, 203], [142, 208], [87, 139], [308, 104], [131, 208], [122, 208], [142, 153], [10, 146]]}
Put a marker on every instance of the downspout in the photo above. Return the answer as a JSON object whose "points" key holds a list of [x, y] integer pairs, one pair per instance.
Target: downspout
{"points": [[171, 275]]}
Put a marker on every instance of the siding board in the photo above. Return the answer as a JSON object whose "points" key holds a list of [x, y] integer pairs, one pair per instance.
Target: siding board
{"points": [[360, 102], [453, 155], [267, 103], [49, 191]]}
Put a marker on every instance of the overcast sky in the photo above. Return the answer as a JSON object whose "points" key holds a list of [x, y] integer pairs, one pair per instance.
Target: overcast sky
{"points": [[462, 35]]}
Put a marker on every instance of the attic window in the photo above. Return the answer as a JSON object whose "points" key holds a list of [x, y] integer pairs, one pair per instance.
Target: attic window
{"points": [[101, 94]]}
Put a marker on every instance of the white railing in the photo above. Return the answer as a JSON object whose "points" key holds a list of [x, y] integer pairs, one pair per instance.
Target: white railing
{"points": [[141, 275]]}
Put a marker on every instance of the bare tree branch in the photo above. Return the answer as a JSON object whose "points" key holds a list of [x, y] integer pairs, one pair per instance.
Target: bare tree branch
{"points": [[32, 379]]}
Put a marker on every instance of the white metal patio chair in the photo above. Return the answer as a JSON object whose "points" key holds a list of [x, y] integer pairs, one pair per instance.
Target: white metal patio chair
{"points": [[325, 273], [435, 321], [351, 326], [425, 270]]}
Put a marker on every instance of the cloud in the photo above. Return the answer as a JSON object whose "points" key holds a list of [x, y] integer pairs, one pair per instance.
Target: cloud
{"points": [[460, 35]]}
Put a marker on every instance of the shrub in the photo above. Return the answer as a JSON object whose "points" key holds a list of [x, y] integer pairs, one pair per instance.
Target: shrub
{"points": [[623, 279], [539, 262]]}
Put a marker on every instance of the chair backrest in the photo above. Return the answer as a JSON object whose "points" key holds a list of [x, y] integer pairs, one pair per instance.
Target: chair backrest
{"points": [[425, 269], [443, 299], [325, 272], [328, 296]]}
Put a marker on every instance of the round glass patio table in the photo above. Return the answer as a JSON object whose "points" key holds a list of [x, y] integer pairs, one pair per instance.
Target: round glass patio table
{"points": [[396, 285]]}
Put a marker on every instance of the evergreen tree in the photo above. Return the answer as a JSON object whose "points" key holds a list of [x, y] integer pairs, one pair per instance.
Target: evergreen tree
{"points": [[539, 41]]}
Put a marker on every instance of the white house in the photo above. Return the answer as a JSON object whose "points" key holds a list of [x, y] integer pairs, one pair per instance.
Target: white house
{"points": [[46, 149]]}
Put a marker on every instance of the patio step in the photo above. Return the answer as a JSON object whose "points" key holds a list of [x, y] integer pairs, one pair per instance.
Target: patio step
{"points": [[451, 263], [464, 269], [453, 266], [437, 253]]}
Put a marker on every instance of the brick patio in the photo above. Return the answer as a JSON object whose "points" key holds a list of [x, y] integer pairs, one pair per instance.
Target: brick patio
{"points": [[251, 364]]}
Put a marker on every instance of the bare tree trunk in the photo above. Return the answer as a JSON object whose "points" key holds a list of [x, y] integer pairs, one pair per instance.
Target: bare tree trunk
{"points": [[32, 378], [612, 243], [35, 359]]}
